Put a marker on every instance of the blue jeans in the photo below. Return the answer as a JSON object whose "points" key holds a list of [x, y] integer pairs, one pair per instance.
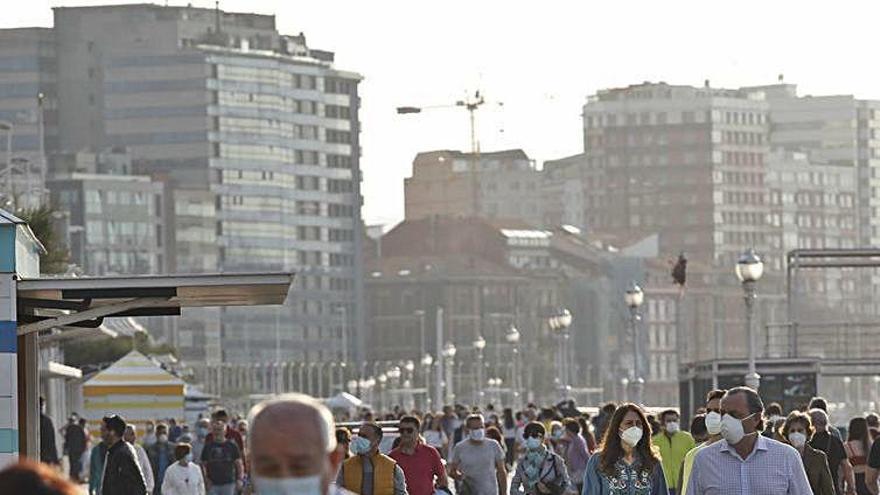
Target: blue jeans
{"points": [[222, 489]]}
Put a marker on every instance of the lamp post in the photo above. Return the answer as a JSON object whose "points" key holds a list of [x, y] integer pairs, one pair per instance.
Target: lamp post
{"points": [[559, 324], [408, 381], [427, 362], [479, 345], [420, 314], [394, 374], [749, 270], [512, 336], [449, 351], [383, 380], [633, 297]]}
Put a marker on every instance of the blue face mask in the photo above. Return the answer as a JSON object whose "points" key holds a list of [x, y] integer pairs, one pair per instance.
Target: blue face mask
{"points": [[188, 457], [306, 485], [533, 443], [360, 445]]}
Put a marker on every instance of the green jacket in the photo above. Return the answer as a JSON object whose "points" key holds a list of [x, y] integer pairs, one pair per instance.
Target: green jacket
{"points": [[672, 452]]}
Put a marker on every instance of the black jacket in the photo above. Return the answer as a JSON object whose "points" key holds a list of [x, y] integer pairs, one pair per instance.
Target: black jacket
{"points": [[48, 449], [122, 474]]}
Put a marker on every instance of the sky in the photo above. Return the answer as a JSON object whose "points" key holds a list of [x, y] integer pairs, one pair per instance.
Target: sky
{"points": [[536, 62]]}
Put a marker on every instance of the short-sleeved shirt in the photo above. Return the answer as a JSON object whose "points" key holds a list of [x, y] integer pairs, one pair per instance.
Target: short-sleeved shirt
{"points": [[219, 461], [834, 451], [477, 461], [420, 468]]}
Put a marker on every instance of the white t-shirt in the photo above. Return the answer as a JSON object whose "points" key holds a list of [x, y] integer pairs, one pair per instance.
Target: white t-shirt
{"points": [[435, 438], [180, 480]]}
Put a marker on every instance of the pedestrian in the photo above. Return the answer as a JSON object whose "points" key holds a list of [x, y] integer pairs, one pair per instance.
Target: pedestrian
{"points": [[872, 473], [713, 434], [48, 448], [747, 462], [368, 471], [143, 459], [698, 431], [796, 429], [587, 432], [508, 429], [673, 444], [436, 437], [161, 455], [174, 430], [231, 433], [203, 427], [873, 425], [183, 477], [821, 403], [421, 464], [857, 447], [556, 431], [27, 477], [495, 434], [221, 461], [75, 446], [626, 461], [574, 452], [343, 441], [600, 422], [477, 464], [122, 473], [823, 439], [449, 421], [774, 420], [96, 467], [540, 470], [149, 437]]}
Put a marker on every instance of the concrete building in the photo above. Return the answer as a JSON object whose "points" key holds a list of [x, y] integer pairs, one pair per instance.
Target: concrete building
{"points": [[502, 184], [117, 222], [256, 135], [564, 189], [28, 112]]}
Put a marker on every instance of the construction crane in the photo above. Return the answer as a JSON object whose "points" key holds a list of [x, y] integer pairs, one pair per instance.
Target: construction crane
{"points": [[471, 104]]}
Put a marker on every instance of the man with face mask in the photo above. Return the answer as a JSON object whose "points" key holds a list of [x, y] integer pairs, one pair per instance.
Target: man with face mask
{"points": [[202, 429], [130, 436], [293, 447], [477, 464], [674, 444], [161, 455], [368, 472], [746, 462], [712, 421]]}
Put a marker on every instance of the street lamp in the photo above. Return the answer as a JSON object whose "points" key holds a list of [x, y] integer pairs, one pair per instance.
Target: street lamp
{"points": [[749, 270], [479, 345], [634, 297], [420, 314], [512, 336], [449, 351], [559, 324]]}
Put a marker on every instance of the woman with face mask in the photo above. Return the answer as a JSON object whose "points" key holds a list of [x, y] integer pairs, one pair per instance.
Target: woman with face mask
{"points": [[183, 477], [626, 461], [796, 431], [540, 471]]}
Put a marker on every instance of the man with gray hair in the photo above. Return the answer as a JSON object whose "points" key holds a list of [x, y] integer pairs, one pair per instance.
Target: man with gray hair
{"points": [[838, 462], [747, 463], [477, 464], [293, 447], [130, 436]]}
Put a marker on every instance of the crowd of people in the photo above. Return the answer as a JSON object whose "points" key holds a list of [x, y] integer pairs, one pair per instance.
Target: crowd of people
{"points": [[733, 445]]}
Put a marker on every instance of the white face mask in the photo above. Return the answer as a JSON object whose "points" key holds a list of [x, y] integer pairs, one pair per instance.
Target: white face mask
{"points": [[672, 427], [306, 485], [797, 439], [732, 428], [631, 436], [361, 446], [713, 423], [477, 435]]}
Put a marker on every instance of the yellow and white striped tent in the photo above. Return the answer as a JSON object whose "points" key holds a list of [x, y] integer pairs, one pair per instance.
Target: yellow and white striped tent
{"points": [[136, 388]]}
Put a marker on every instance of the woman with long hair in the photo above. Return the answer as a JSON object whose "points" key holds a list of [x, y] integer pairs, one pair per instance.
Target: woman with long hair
{"points": [[626, 462], [796, 431], [436, 437], [857, 447]]}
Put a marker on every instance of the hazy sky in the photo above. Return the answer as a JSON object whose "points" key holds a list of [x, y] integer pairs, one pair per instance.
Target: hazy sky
{"points": [[541, 59]]}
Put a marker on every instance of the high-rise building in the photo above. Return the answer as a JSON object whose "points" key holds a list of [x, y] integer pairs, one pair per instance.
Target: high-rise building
{"points": [[28, 113], [501, 184], [256, 135]]}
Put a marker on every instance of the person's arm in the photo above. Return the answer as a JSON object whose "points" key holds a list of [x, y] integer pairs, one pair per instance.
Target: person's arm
{"points": [[592, 481], [693, 485], [94, 472], [147, 469], [873, 471], [200, 482], [798, 484], [516, 483], [399, 481], [849, 476], [680, 485], [501, 474], [658, 481], [239, 473], [440, 471], [452, 467], [565, 480], [826, 482]]}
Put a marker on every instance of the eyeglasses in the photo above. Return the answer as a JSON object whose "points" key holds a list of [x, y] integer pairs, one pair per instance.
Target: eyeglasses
{"points": [[406, 430]]}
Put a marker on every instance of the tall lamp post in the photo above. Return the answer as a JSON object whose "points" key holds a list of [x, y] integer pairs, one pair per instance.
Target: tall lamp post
{"points": [[559, 325], [633, 297], [749, 270], [449, 351], [512, 336], [427, 362], [479, 345]]}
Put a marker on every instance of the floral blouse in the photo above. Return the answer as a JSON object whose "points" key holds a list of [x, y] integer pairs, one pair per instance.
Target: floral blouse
{"points": [[627, 480]]}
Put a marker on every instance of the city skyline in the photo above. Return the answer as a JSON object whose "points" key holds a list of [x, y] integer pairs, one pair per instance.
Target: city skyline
{"points": [[438, 68]]}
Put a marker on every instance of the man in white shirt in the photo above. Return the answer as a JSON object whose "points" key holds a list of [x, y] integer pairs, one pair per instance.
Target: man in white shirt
{"points": [[130, 436]]}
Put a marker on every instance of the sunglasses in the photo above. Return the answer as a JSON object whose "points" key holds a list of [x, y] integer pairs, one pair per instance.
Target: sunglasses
{"points": [[406, 430]]}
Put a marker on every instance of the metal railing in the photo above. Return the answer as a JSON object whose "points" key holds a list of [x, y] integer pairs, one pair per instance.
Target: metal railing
{"points": [[826, 340]]}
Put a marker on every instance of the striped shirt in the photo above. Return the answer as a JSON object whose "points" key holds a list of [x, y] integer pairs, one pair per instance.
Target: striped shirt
{"points": [[772, 468]]}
